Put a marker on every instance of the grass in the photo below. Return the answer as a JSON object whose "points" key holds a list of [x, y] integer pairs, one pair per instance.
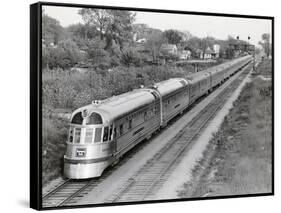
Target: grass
{"points": [[238, 158]]}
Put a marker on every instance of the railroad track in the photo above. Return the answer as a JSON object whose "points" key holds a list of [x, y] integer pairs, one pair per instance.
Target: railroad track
{"points": [[147, 180], [153, 174], [66, 191]]}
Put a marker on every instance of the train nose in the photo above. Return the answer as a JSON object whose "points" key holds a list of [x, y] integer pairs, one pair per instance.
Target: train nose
{"points": [[75, 170]]}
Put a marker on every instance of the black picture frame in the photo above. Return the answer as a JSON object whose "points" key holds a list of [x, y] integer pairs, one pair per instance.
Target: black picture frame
{"points": [[36, 102]]}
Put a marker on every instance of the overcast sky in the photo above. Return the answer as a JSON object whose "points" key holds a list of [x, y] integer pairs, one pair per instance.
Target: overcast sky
{"points": [[201, 26]]}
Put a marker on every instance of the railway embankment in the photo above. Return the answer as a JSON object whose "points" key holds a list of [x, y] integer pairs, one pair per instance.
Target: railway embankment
{"points": [[238, 157]]}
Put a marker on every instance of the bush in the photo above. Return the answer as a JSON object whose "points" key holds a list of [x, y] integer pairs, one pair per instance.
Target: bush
{"points": [[65, 55], [97, 56], [54, 134]]}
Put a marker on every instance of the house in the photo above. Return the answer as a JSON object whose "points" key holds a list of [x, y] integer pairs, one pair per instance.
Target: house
{"points": [[216, 52], [184, 54], [208, 53], [169, 48]]}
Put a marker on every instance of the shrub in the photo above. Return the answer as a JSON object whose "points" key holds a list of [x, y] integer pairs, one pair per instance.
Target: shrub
{"points": [[65, 55]]}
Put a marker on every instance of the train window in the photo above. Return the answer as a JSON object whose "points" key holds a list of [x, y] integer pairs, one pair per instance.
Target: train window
{"points": [[130, 124], [70, 138], [88, 135], [110, 132], [105, 133], [145, 115], [94, 118], [121, 129], [77, 118], [98, 135], [77, 134], [114, 132]]}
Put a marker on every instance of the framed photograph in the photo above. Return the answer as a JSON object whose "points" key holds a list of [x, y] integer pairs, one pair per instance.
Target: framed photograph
{"points": [[134, 105]]}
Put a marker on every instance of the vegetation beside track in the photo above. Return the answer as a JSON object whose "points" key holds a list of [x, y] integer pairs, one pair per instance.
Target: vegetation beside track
{"points": [[238, 158]]}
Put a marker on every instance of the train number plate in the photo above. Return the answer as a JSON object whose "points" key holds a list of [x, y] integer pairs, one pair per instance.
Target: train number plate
{"points": [[81, 152]]}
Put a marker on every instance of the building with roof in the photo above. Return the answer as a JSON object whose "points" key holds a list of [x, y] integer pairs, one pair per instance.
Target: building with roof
{"points": [[216, 52], [184, 54], [208, 53], [169, 48]]}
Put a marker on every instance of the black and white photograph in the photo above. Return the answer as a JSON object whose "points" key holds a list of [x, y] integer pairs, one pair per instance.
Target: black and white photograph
{"points": [[146, 105]]}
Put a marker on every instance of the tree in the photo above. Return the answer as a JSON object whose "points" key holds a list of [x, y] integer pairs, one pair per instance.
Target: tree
{"points": [[98, 18], [153, 43], [193, 44], [82, 31], [112, 25], [96, 53], [265, 43], [52, 31], [173, 36], [207, 42], [130, 57], [65, 55], [142, 30]]}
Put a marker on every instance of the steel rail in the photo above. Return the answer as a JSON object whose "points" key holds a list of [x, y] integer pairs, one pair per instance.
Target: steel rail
{"points": [[50, 193], [65, 192]]}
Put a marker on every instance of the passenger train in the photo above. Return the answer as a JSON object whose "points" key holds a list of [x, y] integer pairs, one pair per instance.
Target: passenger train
{"points": [[100, 133]]}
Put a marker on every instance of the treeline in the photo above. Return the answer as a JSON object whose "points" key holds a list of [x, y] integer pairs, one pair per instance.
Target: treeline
{"points": [[107, 39]]}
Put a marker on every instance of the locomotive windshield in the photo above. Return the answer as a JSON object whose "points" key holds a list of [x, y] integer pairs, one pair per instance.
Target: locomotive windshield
{"points": [[77, 118], [95, 118], [89, 134]]}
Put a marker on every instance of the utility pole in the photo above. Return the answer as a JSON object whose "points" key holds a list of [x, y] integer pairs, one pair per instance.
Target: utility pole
{"points": [[254, 54]]}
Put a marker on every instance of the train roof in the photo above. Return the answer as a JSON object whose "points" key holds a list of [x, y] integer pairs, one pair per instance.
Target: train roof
{"points": [[171, 85], [198, 76], [128, 102], [125, 103], [119, 105], [227, 64], [195, 77]]}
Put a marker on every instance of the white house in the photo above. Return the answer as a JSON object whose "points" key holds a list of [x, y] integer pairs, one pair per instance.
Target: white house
{"points": [[184, 54], [169, 48]]}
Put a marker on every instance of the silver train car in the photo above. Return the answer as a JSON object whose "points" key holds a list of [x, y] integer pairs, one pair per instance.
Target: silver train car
{"points": [[100, 133]]}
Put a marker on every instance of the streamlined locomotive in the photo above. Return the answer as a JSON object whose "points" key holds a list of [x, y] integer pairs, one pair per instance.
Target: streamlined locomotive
{"points": [[100, 133]]}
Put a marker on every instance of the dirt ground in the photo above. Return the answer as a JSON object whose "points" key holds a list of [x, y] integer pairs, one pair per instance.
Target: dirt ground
{"points": [[238, 158]]}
